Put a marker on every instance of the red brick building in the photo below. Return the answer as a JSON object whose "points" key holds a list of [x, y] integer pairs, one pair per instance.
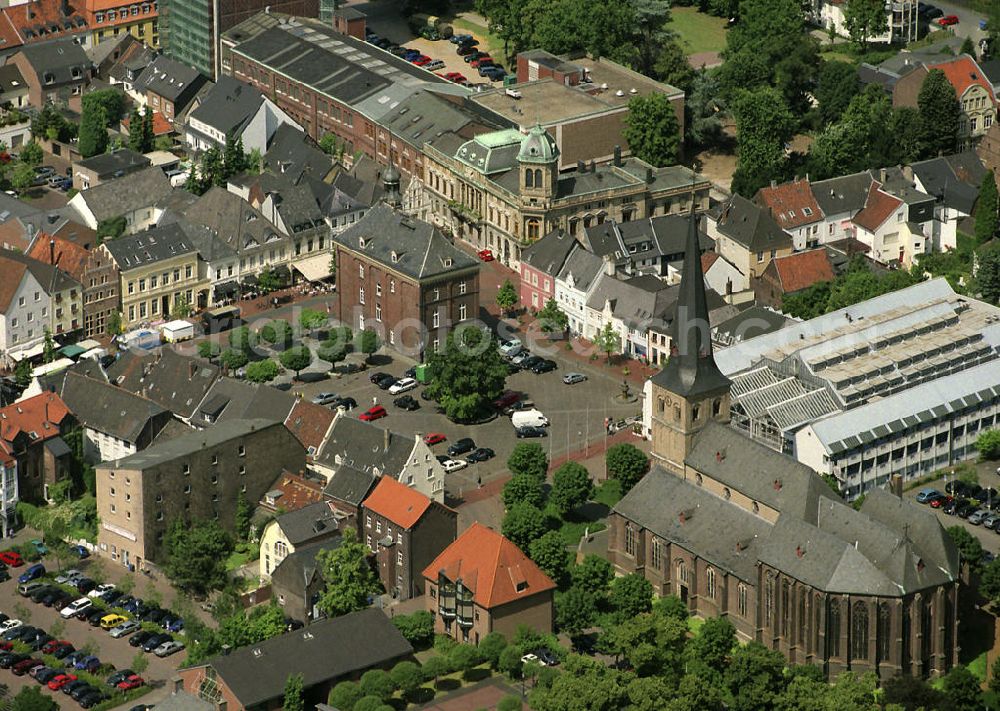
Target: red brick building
{"points": [[483, 583], [31, 433], [791, 274], [403, 278]]}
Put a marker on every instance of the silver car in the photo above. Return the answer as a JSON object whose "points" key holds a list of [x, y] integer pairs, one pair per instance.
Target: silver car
{"points": [[168, 648], [572, 378], [124, 629], [976, 517], [324, 398]]}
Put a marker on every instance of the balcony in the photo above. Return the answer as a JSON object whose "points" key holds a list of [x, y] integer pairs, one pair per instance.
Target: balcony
{"points": [[445, 612]]}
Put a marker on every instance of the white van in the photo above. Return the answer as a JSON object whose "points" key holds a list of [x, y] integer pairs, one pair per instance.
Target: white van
{"points": [[528, 418]]}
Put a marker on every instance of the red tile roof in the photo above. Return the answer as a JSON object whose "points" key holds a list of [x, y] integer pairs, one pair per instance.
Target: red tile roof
{"points": [[708, 259], [397, 502], [161, 126], [70, 257], [37, 417], [802, 270], [43, 20], [791, 204], [297, 492], [879, 206], [13, 275], [491, 566], [122, 14], [309, 423], [963, 72]]}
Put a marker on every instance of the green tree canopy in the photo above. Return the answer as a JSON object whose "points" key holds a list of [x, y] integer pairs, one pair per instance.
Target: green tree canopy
{"points": [[344, 695], [837, 84], [311, 319], [22, 177], [417, 628], [550, 554], [407, 677], [377, 682], [196, 555], [31, 698], [763, 125], [986, 209], [962, 689], [939, 115], [968, 545], [368, 342], [652, 129], [467, 375], [349, 578], [988, 444], [552, 318], [297, 358], [626, 463], [209, 350], [593, 574], [576, 610], [571, 487], [865, 19], [528, 458], [93, 132], [32, 154], [523, 488], [293, 694], [507, 297], [631, 595], [262, 371], [755, 677], [522, 524], [233, 359]]}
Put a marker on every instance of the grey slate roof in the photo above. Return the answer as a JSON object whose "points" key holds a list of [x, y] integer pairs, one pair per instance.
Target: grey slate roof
{"points": [[420, 250], [174, 381], [359, 445], [350, 485], [654, 237], [195, 441], [51, 278], [548, 254], [231, 399], [308, 522], [228, 106], [233, 220], [108, 409], [11, 79], [142, 189], [63, 58], [292, 151], [751, 226], [325, 650], [170, 79], [425, 115], [106, 165], [298, 569], [296, 200], [583, 267], [844, 194], [636, 302], [150, 246]]}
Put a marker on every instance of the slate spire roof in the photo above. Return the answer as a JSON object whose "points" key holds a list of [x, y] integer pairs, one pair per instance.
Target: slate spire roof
{"points": [[691, 369]]}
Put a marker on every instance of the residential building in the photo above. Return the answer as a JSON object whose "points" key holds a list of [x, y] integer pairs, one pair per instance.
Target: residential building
{"points": [[159, 270], [292, 492], [236, 110], [40, 298], [231, 399], [33, 447], [324, 653], [539, 265], [101, 292], [891, 224], [297, 581], [793, 206], [791, 274], [109, 19], [360, 446], [503, 191], [573, 284], [197, 476], [583, 102], [190, 30], [402, 277], [902, 20], [310, 423], [406, 531], [794, 567], [653, 246], [21, 224], [121, 62], [90, 172], [134, 199], [748, 323], [347, 487], [483, 583], [13, 88], [168, 87], [988, 150], [42, 21], [115, 422], [747, 236], [632, 306], [315, 523], [173, 381], [953, 181], [55, 72], [722, 277]]}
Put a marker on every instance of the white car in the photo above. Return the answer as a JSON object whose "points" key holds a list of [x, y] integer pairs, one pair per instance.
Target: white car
{"points": [[531, 659], [69, 576], [511, 348], [76, 606], [9, 625], [453, 465], [401, 386], [100, 590]]}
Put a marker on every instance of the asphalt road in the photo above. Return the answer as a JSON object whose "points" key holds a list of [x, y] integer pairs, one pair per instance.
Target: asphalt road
{"points": [[968, 20]]}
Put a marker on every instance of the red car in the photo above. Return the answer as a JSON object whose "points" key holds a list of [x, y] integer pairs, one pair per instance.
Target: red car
{"points": [[481, 61], [486, 255], [11, 558], [373, 413], [455, 77], [948, 20], [52, 646], [940, 501], [434, 438], [422, 60], [61, 680], [25, 666], [133, 682], [6, 646]]}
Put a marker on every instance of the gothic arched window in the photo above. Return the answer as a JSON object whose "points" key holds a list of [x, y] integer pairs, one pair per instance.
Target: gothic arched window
{"points": [[859, 630], [833, 628]]}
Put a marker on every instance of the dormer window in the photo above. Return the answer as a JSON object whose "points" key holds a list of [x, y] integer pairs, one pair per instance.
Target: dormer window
{"points": [[49, 77], [448, 261], [395, 257]]}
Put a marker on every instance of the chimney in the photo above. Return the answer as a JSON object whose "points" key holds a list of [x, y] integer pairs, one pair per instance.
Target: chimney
{"points": [[799, 551], [609, 265], [581, 167], [178, 684], [881, 174], [618, 155], [896, 485], [649, 174], [52, 252], [385, 440]]}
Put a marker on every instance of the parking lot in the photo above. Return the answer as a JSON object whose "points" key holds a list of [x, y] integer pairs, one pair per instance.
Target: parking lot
{"points": [[80, 634], [988, 478]]}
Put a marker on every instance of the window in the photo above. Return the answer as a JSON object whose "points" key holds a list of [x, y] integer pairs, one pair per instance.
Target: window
{"points": [[760, 257], [833, 629], [461, 287], [859, 630], [786, 607], [378, 526], [883, 641], [368, 521], [710, 582], [769, 599], [187, 272], [361, 295], [378, 290], [142, 285], [242, 451], [399, 557], [657, 553], [462, 311], [629, 540], [392, 286], [436, 318], [741, 599], [378, 312], [361, 271]]}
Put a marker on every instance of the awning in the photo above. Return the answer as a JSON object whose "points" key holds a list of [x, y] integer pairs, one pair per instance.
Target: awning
{"points": [[28, 353], [250, 280], [282, 272], [72, 350], [226, 289], [314, 268]]}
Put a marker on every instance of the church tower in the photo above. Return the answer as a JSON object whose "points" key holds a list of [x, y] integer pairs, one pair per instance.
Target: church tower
{"points": [[690, 390]]}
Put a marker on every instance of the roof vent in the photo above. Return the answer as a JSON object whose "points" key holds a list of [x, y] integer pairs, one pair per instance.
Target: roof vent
{"points": [[307, 635], [800, 551], [619, 93]]}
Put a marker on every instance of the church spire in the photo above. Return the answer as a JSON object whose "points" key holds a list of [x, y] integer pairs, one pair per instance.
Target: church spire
{"points": [[691, 370]]}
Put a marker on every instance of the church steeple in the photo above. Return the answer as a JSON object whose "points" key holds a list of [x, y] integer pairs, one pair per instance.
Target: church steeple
{"points": [[690, 390]]}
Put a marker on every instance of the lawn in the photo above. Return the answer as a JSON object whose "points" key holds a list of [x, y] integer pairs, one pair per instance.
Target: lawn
{"points": [[609, 493], [237, 559], [697, 31]]}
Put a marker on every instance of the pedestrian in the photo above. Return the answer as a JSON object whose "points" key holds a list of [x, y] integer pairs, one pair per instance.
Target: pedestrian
{"points": [[479, 481]]}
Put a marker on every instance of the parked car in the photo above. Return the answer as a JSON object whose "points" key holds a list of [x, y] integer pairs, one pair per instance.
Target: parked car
{"points": [[63, 651], [324, 398], [511, 348], [91, 698], [573, 378], [925, 495], [432, 438], [155, 641], [33, 573], [346, 403], [406, 402], [100, 590], [90, 663], [111, 621], [81, 691], [11, 558], [485, 254], [987, 494], [26, 665], [977, 516], [43, 675], [939, 501], [124, 629], [933, 12], [948, 20], [481, 454], [527, 363], [118, 676], [73, 686], [26, 589], [61, 680], [966, 509], [52, 646], [991, 521], [543, 366], [76, 607], [9, 659], [373, 413], [8, 625], [377, 376], [132, 682], [39, 547], [461, 446], [530, 431], [168, 648], [387, 382], [403, 385], [85, 585], [68, 577], [453, 465]]}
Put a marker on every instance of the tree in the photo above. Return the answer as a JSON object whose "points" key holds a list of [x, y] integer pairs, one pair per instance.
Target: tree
{"points": [[234, 160], [552, 318], [626, 463], [550, 554], [969, 547], [754, 677], [114, 326], [571, 487], [407, 677], [491, 647], [110, 102], [32, 154], [22, 177], [311, 319], [111, 227], [673, 67], [652, 129], [910, 693], [703, 108], [239, 339], [528, 458], [371, 703], [962, 690], [349, 578], [345, 695], [368, 343], [297, 358], [593, 575], [332, 351], [608, 340], [278, 331], [764, 125], [837, 85], [181, 308], [631, 595], [377, 682], [510, 662], [576, 610], [30, 698], [467, 375], [48, 347], [865, 19], [694, 693], [510, 703], [713, 644], [463, 657], [262, 371], [148, 136], [986, 209], [294, 688], [196, 555], [522, 524], [328, 143], [649, 28], [233, 359], [437, 666], [135, 137], [988, 275], [989, 583], [417, 628], [988, 444], [209, 350], [939, 115], [268, 280], [22, 373], [506, 297], [93, 132], [241, 518], [523, 488]]}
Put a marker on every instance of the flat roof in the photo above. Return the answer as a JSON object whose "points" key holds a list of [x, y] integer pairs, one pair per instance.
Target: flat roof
{"points": [[619, 78], [546, 102]]}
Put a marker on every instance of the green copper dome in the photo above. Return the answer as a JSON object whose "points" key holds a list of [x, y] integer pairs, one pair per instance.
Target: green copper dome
{"points": [[538, 147]]}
